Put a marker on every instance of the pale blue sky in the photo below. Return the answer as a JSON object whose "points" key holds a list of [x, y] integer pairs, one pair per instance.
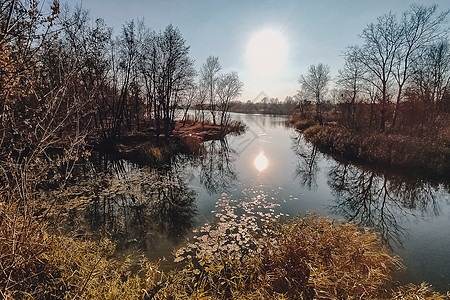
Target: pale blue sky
{"points": [[316, 31]]}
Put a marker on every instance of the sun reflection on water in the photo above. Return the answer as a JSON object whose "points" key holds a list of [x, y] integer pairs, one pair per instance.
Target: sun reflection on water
{"points": [[261, 162]]}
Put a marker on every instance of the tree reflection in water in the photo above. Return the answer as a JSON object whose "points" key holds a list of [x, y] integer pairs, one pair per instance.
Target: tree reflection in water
{"points": [[307, 167], [382, 201], [217, 168], [366, 199], [149, 208]]}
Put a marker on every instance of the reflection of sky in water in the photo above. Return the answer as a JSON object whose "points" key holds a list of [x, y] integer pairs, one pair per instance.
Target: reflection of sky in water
{"points": [[266, 137], [426, 251]]}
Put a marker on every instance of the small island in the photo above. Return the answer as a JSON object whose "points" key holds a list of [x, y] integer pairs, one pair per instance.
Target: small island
{"points": [[187, 138]]}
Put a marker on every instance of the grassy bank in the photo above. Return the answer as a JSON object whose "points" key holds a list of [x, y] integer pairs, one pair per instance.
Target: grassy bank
{"points": [[429, 155], [309, 258]]}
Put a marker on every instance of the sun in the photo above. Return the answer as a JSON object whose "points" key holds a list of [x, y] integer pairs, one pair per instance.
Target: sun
{"points": [[267, 52]]}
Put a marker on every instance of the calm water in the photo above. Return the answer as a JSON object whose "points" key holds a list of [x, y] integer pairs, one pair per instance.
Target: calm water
{"points": [[152, 210]]}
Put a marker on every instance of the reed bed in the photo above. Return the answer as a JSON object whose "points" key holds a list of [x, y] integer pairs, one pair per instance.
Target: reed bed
{"points": [[240, 256]]}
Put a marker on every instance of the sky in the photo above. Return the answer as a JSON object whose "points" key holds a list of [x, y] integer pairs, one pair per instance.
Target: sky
{"points": [[313, 31]]}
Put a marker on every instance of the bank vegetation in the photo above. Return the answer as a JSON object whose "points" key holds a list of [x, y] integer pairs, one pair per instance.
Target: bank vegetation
{"points": [[390, 104]]}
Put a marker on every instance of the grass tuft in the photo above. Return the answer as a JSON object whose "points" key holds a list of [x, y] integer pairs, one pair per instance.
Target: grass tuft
{"points": [[418, 292]]}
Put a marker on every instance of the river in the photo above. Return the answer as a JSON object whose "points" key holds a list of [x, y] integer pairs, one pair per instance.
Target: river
{"points": [[153, 210]]}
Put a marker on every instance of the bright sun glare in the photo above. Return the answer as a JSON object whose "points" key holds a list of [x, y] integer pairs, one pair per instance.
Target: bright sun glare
{"points": [[261, 162], [267, 52]]}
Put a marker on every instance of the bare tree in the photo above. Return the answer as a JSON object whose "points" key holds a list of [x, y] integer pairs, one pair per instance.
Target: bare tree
{"points": [[129, 46], [209, 75], [391, 49], [420, 26], [378, 56], [351, 85], [229, 87], [85, 51], [188, 97], [315, 83], [200, 101], [430, 82], [177, 73]]}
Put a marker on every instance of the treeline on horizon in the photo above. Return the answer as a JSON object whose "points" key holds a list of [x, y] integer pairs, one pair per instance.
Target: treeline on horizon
{"points": [[396, 82], [269, 106]]}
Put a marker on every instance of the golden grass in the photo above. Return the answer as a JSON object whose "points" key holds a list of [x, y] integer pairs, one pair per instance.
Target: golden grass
{"points": [[22, 240], [85, 269], [418, 292], [344, 261], [311, 257], [308, 258]]}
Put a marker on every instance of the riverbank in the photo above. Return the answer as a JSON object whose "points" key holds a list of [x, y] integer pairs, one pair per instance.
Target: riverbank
{"points": [[427, 155], [308, 258], [187, 138]]}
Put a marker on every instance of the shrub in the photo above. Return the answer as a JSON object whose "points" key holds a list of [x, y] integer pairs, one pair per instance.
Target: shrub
{"points": [[236, 127], [303, 124]]}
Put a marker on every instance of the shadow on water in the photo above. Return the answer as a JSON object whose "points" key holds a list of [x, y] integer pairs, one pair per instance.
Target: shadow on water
{"points": [[143, 208], [371, 198]]}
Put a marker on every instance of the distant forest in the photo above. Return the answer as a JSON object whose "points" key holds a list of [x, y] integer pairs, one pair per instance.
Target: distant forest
{"points": [[270, 106]]}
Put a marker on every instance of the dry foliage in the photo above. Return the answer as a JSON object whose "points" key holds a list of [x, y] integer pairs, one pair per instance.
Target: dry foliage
{"points": [[429, 154], [80, 269], [344, 261], [310, 258], [86, 270], [418, 292], [22, 240]]}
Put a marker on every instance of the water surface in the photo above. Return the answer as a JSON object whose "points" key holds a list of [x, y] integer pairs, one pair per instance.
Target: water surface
{"points": [[152, 210]]}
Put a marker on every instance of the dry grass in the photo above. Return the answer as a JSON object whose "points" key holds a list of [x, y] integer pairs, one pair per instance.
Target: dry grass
{"points": [[87, 271], [429, 154], [238, 257], [418, 292], [311, 257], [82, 269], [22, 240], [303, 124], [344, 261]]}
